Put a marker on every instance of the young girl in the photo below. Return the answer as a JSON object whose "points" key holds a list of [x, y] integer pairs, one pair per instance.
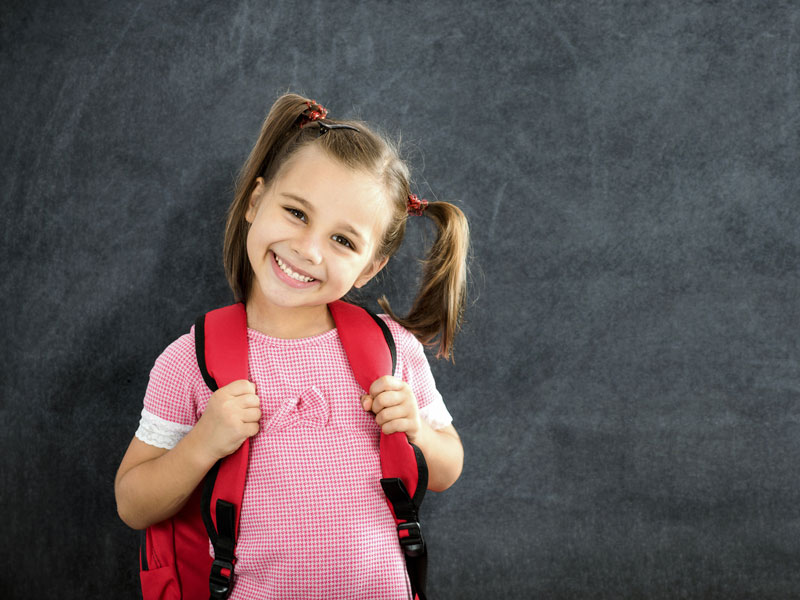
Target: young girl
{"points": [[320, 207]]}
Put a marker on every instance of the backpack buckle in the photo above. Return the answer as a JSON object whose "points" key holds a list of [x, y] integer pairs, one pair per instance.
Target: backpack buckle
{"points": [[412, 542], [221, 578]]}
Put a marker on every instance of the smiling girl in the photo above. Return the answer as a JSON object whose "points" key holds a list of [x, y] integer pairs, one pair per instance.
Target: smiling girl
{"points": [[320, 207]]}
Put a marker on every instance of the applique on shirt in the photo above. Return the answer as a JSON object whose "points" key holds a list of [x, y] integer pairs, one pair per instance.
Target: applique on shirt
{"points": [[310, 409]]}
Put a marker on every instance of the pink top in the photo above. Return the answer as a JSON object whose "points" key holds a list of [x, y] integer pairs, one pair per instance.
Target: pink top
{"points": [[314, 523]]}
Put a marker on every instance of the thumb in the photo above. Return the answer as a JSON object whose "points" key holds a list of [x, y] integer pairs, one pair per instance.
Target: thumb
{"points": [[366, 402]]}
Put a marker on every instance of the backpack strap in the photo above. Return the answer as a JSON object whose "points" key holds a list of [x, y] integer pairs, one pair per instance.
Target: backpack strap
{"points": [[221, 345], [372, 354]]}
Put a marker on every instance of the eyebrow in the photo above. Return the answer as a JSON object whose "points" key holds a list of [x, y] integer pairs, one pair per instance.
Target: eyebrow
{"points": [[310, 208]]}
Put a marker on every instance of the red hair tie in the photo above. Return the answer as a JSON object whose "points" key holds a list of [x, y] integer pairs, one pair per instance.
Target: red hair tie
{"points": [[415, 205], [314, 112]]}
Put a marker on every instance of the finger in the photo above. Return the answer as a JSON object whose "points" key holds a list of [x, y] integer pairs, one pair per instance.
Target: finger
{"points": [[385, 383], [250, 429], [387, 399], [240, 387], [248, 401], [392, 413], [395, 426], [251, 415]]}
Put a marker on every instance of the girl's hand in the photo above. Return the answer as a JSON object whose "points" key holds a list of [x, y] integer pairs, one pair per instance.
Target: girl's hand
{"points": [[232, 415], [394, 405]]}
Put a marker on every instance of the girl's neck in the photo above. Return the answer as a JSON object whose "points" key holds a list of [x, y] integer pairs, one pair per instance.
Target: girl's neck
{"points": [[288, 323]]}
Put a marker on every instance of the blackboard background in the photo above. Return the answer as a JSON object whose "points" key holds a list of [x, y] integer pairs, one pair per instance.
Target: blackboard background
{"points": [[627, 384]]}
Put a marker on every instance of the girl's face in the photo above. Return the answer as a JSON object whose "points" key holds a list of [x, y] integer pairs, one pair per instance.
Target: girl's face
{"points": [[314, 231]]}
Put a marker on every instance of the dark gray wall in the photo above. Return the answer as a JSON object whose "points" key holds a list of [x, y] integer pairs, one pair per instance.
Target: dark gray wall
{"points": [[627, 384]]}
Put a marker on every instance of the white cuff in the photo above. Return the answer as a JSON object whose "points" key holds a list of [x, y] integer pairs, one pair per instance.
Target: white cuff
{"points": [[436, 414], [155, 431]]}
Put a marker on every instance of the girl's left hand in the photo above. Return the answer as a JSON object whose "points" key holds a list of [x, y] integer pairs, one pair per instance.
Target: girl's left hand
{"points": [[394, 405]]}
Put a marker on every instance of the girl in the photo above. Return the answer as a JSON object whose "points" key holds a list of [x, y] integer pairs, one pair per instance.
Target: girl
{"points": [[320, 207]]}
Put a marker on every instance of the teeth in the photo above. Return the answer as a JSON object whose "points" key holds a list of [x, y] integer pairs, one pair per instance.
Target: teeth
{"points": [[285, 268]]}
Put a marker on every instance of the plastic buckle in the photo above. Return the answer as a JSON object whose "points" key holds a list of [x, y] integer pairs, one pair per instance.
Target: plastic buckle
{"points": [[413, 544], [220, 579]]}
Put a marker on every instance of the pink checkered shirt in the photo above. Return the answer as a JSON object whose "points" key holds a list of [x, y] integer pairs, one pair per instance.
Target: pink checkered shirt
{"points": [[314, 523]]}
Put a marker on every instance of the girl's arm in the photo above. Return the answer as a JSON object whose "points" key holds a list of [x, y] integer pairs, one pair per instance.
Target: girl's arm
{"points": [[443, 453], [396, 409], [153, 484]]}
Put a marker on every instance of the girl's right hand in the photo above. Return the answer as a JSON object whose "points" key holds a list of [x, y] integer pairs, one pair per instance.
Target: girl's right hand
{"points": [[232, 416]]}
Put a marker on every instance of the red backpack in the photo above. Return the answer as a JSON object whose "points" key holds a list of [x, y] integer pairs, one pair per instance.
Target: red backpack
{"points": [[174, 561]]}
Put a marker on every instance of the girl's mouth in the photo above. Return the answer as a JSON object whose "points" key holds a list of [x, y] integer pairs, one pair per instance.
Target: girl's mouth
{"points": [[289, 275]]}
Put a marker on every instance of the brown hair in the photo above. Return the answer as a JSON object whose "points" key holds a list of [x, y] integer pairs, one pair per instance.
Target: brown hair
{"points": [[438, 308]]}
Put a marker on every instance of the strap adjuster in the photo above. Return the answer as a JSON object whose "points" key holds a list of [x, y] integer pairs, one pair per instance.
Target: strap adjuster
{"points": [[412, 542], [221, 578]]}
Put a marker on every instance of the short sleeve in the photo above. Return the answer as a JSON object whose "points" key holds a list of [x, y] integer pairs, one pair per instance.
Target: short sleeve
{"points": [[414, 369], [170, 401]]}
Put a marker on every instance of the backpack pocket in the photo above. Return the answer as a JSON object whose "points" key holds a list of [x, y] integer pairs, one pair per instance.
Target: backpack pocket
{"points": [[158, 582]]}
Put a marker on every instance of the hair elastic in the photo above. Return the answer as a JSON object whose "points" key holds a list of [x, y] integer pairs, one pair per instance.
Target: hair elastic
{"points": [[416, 206], [314, 112], [317, 113]]}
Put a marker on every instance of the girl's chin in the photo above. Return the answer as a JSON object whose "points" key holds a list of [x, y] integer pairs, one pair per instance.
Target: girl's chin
{"points": [[280, 296]]}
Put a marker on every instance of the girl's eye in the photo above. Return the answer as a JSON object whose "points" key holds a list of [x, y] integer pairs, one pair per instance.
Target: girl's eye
{"points": [[297, 213], [343, 241]]}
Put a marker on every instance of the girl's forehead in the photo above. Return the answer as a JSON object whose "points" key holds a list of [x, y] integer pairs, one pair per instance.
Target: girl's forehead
{"points": [[313, 159], [334, 188]]}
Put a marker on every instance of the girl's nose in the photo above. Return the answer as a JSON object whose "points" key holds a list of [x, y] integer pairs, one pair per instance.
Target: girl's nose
{"points": [[307, 248]]}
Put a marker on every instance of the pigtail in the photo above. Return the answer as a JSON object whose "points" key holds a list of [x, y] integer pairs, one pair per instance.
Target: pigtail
{"points": [[280, 134], [438, 308]]}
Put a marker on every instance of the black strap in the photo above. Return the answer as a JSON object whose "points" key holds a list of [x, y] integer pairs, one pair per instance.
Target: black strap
{"points": [[387, 335], [200, 351], [221, 578], [413, 543], [205, 501], [422, 476], [417, 568], [143, 550], [223, 538], [402, 503]]}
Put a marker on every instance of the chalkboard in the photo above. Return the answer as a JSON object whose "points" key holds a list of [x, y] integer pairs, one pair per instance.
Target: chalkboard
{"points": [[627, 381]]}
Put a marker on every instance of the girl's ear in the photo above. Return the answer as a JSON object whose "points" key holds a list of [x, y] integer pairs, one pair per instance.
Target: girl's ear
{"points": [[255, 196], [369, 273]]}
